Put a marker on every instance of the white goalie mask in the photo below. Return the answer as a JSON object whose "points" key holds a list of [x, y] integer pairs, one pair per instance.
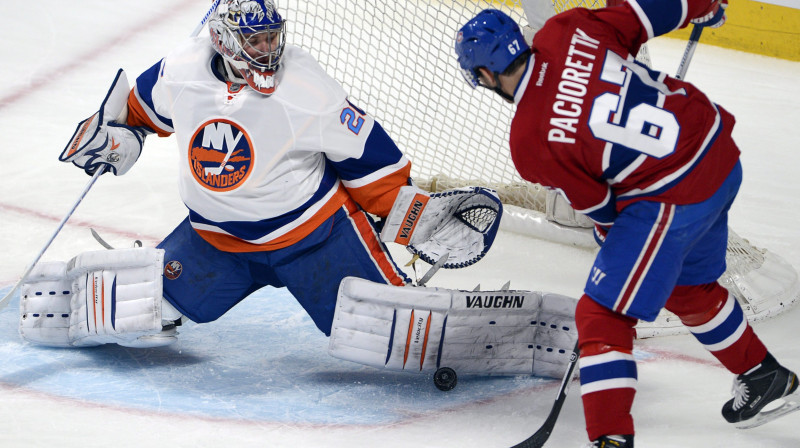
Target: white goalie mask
{"points": [[250, 36]]}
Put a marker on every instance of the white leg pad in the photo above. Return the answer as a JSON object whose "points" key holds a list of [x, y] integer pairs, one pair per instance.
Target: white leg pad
{"points": [[110, 296], [422, 329]]}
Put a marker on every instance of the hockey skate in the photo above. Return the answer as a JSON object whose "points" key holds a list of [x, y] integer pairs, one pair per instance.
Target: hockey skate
{"points": [[612, 442], [755, 389]]}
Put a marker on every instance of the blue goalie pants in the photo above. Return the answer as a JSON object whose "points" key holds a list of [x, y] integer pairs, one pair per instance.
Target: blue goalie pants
{"points": [[203, 282]]}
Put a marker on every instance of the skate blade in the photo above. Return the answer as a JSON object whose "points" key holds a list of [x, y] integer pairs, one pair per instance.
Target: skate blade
{"points": [[790, 404]]}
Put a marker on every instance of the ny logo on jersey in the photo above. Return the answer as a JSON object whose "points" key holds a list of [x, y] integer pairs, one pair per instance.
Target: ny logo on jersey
{"points": [[597, 275], [220, 155]]}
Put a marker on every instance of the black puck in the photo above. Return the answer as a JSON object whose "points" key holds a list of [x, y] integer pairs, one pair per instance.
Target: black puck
{"points": [[445, 379]]}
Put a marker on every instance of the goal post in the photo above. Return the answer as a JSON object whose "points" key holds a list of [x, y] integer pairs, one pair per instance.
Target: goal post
{"points": [[396, 60]]}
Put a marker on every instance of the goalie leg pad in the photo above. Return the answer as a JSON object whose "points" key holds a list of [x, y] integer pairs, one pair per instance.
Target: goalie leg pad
{"points": [[421, 329], [111, 296]]}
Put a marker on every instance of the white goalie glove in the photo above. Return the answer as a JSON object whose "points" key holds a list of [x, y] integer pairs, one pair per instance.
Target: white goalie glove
{"points": [[102, 140], [461, 223]]}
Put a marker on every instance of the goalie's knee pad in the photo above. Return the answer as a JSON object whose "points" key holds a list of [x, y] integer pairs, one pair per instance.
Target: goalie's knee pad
{"points": [[110, 296], [421, 329]]}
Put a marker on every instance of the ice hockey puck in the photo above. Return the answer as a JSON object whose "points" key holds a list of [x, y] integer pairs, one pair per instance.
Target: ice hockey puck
{"points": [[445, 379]]}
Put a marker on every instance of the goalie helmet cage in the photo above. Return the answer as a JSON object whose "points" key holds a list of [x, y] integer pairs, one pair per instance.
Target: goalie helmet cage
{"points": [[396, 60]]}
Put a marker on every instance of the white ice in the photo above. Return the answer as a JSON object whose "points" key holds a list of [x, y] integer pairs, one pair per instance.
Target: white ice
{"points": [[232, 383]]}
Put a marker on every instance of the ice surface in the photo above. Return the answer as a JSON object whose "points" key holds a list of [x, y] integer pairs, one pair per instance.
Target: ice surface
{"points": [[260, 376]]}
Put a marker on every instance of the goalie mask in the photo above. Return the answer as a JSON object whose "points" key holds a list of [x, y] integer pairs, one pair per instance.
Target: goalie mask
{"points": [[250, 36]]}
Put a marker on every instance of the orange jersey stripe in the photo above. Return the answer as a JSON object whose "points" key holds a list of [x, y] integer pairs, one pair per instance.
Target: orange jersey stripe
{"points": [[138, 117], [377, 197], [230, 243], [376, 249]]}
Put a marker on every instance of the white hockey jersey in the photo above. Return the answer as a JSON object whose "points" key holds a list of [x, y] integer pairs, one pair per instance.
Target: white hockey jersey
{"points": [[261, 172]]}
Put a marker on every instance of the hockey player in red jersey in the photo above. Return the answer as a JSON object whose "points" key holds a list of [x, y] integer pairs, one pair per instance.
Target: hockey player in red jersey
{"points": [[650, 159]]}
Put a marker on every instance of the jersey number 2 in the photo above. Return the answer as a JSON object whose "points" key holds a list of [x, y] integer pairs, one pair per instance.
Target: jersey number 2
{"points": [[352, 120]]}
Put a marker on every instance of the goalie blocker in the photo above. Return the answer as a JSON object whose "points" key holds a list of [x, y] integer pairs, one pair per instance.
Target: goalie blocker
{"points": [[99, 297], [420, 329]]}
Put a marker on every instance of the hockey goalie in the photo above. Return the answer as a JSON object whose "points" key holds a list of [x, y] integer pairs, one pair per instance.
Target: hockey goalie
{"points": [[291, 187]]}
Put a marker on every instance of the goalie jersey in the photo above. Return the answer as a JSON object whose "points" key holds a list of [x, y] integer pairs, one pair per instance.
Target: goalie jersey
{"points": [[615, 119], [261, 172]]}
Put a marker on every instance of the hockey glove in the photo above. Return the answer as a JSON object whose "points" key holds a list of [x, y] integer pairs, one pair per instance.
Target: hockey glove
{"points": [[101, 141], [461, 223], [714, 17]]}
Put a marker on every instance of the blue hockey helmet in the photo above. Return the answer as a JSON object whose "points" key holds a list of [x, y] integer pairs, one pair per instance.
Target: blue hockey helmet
{"points": [[491, 39], [250, 36]]}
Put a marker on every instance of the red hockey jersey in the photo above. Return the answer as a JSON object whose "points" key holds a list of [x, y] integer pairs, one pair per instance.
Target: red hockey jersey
{"points": [[606, 130]]}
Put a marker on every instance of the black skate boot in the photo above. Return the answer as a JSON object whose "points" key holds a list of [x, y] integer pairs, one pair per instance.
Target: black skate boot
{"points": [[612, 442], [755, 389]]}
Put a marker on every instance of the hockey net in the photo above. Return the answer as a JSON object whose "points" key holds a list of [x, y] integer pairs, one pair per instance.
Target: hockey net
{"points": [[396, 60]]}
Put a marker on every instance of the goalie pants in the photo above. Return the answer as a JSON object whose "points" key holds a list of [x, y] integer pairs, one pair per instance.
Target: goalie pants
{"points": [[203, 282], [657, 256]]}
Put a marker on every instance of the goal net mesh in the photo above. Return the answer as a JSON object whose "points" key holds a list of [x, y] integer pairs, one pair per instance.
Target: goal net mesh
{"points": [[396, 60]]}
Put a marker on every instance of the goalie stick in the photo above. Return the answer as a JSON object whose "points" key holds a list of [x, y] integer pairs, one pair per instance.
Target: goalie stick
{"points": [[7, 298], [538, 439]]}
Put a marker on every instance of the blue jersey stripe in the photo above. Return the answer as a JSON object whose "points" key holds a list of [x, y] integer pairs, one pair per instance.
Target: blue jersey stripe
{"points": [[253, 230], [664, 15], [379, 151], [144, 85]]}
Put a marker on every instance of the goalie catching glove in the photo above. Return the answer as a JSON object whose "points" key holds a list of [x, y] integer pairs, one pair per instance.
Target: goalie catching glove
{"points": [[461, 223], [102, 141]]}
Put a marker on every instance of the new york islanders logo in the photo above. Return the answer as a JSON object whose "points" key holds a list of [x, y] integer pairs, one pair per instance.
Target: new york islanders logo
{"points": [[173, 270], [220, 155]]}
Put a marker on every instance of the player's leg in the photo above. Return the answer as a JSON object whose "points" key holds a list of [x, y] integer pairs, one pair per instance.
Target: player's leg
{"points": [[717, 320], [346, 245], [633, 275], [201, 281], [607, 369]]}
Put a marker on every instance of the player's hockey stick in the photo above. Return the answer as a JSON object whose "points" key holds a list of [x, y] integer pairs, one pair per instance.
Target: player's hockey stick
{"points": [[689, 52], [538, 439], [7, 298]]}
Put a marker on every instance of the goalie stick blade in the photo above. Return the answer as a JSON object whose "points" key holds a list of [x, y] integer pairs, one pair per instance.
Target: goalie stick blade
{"points": [[539, 438], [790, 404]]}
